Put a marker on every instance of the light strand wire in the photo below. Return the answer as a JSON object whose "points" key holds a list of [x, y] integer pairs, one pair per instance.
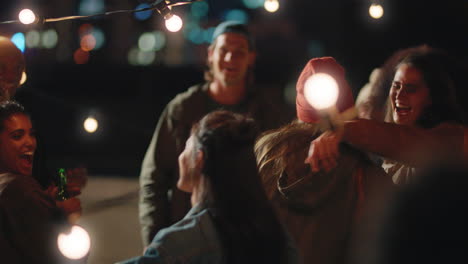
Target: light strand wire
{"points": [[161, 5]]}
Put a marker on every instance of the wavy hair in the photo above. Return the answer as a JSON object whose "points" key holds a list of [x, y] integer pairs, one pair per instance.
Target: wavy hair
{"points": [[249, 229]]}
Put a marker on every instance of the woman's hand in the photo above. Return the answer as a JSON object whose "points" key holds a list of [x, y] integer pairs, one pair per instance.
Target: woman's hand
{"points": [[324, 152], [76, 180]]}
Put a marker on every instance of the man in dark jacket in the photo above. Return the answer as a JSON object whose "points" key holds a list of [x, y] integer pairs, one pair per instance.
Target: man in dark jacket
{"points": [[228, 86]]}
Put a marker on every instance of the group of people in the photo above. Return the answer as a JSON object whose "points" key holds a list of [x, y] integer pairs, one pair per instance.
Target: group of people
{"points": [[231, 177]]}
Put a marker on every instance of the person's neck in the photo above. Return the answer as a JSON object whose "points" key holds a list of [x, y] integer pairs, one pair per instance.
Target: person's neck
{"points": [[227, 95], [195, 198]]}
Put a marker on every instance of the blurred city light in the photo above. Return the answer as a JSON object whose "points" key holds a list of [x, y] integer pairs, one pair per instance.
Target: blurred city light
{"points": [[174, 23], [199, 9], [49, 38], [85, 29], [137, 57], [80, 56], [321, 91], [271, 5], [376, 11], [90, 124], [76, 244], [143, 15], [252, 4], [208, 34], [88, 42], [91, 7], [33, 38], [19, 40], [237, 15], [160, 40], [315, 49], [99, 37], [27, 16], [147, 41]]}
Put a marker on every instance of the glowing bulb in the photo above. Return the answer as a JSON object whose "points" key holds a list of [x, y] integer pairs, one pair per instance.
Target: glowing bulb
{"points": [[27, 16], [376, 11], [321, 91], [90, 125], [174, 23], [74, 245], [271, 5]]}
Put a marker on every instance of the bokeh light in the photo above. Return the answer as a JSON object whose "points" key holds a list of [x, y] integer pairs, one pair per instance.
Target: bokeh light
{"points": [[91, 7], [99, 37], [160, 40], [85, 29], [33, 39], [74, 245], [315, 48], [252, 4], [137, 57], [199, 9], [49, 39], [174, 23], [80, 56], [376, 11], [271, 5], [90, 124], [208, 34], [88, 42], [147, 41], [27, 16], [143, 15], [19, 40], [321, 91], [237, 15]]}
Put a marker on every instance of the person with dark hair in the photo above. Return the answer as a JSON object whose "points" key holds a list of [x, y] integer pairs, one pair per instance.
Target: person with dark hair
{"points": [[231, 220], [228, 86], [30, 219], [319, 209], [12, 66], [424, 121]]}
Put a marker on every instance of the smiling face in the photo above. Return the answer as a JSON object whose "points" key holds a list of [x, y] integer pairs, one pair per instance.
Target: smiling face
{"points": [[409, 95], [17, 145], [230, 59]]}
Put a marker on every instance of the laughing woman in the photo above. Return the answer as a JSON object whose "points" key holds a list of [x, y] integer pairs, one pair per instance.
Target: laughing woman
{"points": [[424, 123], [29, 217], [231, 220]]}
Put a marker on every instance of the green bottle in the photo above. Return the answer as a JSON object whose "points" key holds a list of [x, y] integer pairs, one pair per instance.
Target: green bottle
{"points": [[62, 193]]}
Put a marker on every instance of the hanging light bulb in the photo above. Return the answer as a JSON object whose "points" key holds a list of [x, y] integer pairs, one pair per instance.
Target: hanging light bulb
{"points": [[321, 91], [90, 124], [27, 16], [75, 244], [376, 11], [271, 5], [174, 23]]}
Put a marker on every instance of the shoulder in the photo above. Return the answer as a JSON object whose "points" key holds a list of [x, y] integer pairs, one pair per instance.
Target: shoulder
{"points": [[20, 190], [194, 235], [188, 99]]}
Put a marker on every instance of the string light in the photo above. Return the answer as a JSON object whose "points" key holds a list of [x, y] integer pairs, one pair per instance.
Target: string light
{"points": [[27, 16], [271, 5], [376, 11], [174, 23]]}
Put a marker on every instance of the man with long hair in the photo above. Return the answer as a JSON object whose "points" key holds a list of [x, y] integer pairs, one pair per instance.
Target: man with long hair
{"points": [[228, 86]]}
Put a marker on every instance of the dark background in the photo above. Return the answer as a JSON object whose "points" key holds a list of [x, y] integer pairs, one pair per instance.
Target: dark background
{"points": [[127, 99]]}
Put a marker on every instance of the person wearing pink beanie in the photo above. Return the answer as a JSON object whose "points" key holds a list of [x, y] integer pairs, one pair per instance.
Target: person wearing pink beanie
{"points": [[318, 208]]}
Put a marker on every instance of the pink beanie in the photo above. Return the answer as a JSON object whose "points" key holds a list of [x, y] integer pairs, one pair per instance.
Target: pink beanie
{"points": [[305, 111]]}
